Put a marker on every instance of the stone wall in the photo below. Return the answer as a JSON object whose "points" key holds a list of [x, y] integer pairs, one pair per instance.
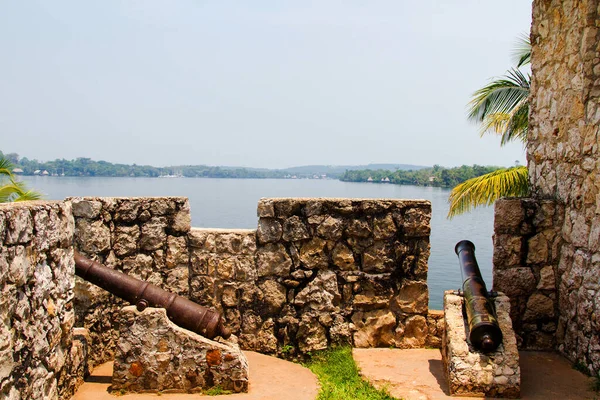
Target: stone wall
{"points": [[526, 253], [320, 271], [563, 155], [315, 272], [143, 237], [37, 356]]}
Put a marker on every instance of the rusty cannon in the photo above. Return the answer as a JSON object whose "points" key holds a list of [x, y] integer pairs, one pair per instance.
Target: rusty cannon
{"points": [[180, 310], [484, 331]]}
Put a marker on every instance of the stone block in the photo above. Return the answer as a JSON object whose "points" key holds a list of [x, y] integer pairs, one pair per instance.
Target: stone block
{"points": [[470, 372], [155, 355]]}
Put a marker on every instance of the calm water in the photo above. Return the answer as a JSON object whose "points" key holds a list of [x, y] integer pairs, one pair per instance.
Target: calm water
{"points": [[231, 203]]}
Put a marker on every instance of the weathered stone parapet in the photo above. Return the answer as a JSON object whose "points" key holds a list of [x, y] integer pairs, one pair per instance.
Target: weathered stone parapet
{"points": [[143, 237], [320, 271], [352, 270], [527, 244], [313, 273], [36, 310], [155, 355], [473, 373]]}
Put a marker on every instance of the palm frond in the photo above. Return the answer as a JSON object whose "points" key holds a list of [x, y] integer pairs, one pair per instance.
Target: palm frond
{"points": [[521, 54], [5, 167], [484, 190], [517, 126], [502, 95]]}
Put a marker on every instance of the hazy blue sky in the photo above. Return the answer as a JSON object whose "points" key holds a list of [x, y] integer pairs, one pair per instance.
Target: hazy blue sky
{"points": [[254, 83]]}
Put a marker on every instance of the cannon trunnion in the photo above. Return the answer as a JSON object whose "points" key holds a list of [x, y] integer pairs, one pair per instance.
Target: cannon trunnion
{"points": [[180, 310]]}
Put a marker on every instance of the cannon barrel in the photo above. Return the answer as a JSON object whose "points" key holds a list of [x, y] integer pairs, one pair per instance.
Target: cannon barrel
{"points": [[484, 331], [180, 310]]}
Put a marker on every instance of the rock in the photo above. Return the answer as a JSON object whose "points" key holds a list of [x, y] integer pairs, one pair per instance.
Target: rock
{"points": [[509, 214], [246, 269], [197, 237], [547, 281], [127, 210], [507, 251], [313, 255], [311, 335], [269, 230], [378, 258], [341, 331], [343, 258], [538, 250], [126, 240], [412, 298], [225, 267], [331, 228], [138, 266], [416, 222], [412, 333], [383, 227], [155, 355], [266, 342], [370, 301], [538, 307], [177, 252], [514, 281], [162, 206], [182, 221], [89, 209], [358, 228], [374, 328], [177, 280], [294, 229], [92, 237], [265, 208], [274, 296], [273, 260], [321, 294], [153, 235]]}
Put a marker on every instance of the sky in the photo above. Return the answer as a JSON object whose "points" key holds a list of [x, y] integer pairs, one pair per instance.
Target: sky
{"points": [[270, 84]]}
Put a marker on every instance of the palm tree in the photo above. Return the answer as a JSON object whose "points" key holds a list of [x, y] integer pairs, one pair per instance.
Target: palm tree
{"points": [[10, 188], [500, 107]]}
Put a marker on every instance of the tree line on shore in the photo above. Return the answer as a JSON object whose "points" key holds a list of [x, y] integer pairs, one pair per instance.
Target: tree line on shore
{"points": [[436, 176], [88, 167]]}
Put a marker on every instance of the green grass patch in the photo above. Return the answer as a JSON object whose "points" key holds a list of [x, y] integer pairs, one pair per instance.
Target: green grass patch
{"points": [[216, 391], [338, 375]]}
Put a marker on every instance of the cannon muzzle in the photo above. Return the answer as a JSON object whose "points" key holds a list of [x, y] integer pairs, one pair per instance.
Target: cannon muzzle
{"points": [[180, 310], [484, 331]]}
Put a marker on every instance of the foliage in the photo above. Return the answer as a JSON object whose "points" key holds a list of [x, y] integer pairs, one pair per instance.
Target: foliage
{"points": [[500, 107], [216, 391], [339, 378], [486, 189], [436, 176], [10, 188], [87, 167]]}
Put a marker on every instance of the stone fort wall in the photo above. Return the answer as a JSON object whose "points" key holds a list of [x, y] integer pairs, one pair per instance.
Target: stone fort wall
{"points": [[555, 253], [38, 357], [314, 273]]}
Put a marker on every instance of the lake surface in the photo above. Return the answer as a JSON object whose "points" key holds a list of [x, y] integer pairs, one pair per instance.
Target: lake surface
{"points": [[231, 203]]}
